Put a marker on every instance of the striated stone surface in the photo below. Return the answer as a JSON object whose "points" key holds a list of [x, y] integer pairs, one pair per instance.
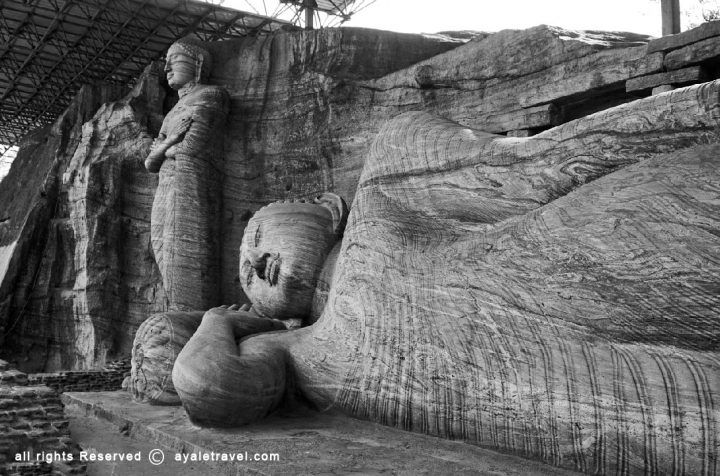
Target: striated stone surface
{"points": [[491, 289], [300, 121], [553, 296], [672, 42], [89, 278], [485, 292], [157, 343], [31, 199], [187, 155], [693, 74], [300, 441], [693, 54], [306, 106]]}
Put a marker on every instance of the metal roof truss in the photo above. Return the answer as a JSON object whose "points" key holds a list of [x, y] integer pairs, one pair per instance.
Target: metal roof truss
{"points": [[49, 48]]}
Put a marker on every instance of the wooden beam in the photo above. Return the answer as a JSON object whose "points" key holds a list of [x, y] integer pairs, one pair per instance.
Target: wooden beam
{"points": [[670, 17]]}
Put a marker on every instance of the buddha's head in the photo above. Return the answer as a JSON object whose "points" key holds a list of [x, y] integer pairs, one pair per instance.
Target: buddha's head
{"points": [[283, 251], [187, 61]]}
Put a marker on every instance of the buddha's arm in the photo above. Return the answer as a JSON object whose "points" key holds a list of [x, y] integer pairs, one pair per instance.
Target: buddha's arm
{"points": [[161, 145], [222, 383], [206, 122]]}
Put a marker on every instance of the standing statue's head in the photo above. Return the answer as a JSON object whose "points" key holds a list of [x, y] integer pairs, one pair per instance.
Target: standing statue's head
{"points": [[187, 61], [283, 251]]}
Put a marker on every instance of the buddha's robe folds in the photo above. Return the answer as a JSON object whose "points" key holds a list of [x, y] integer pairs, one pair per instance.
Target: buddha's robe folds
{"points": [[186, 211]]}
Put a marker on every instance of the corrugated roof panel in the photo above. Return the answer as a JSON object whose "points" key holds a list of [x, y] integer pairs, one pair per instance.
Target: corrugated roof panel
{"points": [[49, 48]]}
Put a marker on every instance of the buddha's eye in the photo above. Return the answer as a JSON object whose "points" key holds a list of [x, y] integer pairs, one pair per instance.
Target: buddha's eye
{"points": [[249, 276], [258, 236]]}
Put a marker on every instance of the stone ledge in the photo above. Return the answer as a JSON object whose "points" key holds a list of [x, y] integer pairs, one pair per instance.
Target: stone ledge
{"points": [[705, 50], [672, 42], [307, 442], [693, 74]]}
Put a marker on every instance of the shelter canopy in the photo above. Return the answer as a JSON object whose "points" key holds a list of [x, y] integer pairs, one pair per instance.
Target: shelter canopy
{"points": [[50, 48]]}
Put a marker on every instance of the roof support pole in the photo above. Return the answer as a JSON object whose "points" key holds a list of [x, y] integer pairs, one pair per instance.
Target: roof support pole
{"points": [[670, 16], [309, 12]]}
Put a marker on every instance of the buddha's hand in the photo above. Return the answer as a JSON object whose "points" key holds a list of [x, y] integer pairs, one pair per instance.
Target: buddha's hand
{"points": [[176, 136], [242, 322], [154, 160], [156, 141]]}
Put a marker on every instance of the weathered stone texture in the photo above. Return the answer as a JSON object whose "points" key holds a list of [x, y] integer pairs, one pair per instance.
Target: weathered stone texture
{"points": [[672, 42], [87, 278], [704, 50], [484, 291], [693, 74], [32, 423], [116, 283], [689, 57], [296, 126], [80, 380], [30, 198], [553, 296], [12, 376], [158, 342], [306, 106]]}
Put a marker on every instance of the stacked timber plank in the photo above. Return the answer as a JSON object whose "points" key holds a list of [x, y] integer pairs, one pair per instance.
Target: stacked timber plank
{"points": [[688, 58], [519, 83]]}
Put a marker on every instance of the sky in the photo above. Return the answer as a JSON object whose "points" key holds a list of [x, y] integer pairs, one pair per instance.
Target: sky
{"points": [[430, 16]]}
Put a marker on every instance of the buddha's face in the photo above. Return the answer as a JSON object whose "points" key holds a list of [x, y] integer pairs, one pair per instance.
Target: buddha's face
{"points": [[179, 68], [282, 253]]}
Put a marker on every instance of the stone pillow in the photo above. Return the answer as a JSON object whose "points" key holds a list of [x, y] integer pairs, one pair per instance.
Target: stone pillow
{"points": [[157, 343]]}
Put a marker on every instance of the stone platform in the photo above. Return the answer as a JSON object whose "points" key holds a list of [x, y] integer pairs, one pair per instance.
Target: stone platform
{"points": [[305, 442]]}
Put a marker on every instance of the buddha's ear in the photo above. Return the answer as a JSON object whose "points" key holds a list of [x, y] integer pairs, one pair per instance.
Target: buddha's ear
{"points": [[198, 67], [337, 207]]}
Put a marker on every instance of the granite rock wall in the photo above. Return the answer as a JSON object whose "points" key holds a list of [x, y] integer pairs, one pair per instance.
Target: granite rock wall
{"points": [[306, 106], [554, 296], [78, 274]]}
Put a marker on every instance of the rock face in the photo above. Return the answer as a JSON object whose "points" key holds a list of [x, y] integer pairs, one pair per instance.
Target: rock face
{"points": [[485, 292], [33, 218], [554, 296], [79, 275], [116, 283], [583, 332], [306, 106], [300, 120]]}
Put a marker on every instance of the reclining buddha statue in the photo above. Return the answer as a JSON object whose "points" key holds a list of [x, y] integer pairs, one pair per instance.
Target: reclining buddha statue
{"points": [[553, 296]]}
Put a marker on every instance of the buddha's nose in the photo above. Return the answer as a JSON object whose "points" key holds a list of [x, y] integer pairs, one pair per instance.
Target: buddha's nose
{"points": [[258, 260]]}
